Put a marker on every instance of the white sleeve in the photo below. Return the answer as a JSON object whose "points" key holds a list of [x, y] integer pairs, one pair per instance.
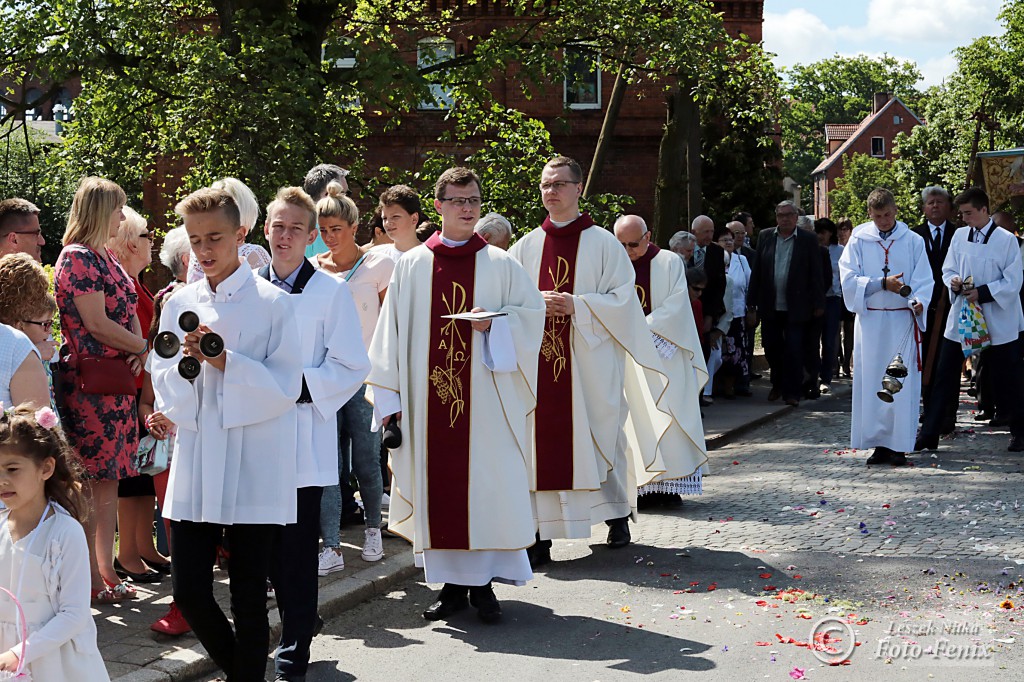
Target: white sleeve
{"points": [[499, 350], [385, 402], [69, 586], [588, 326]]}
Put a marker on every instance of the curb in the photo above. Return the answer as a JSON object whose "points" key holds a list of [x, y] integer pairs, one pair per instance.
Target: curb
{"points": [[185, 665]]}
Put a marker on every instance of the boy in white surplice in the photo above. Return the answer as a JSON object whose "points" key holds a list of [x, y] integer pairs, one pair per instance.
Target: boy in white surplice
{"points": [[233, 471]]}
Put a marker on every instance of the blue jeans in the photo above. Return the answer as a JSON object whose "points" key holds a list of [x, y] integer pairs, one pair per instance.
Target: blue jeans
{"points": [[356, 443]]}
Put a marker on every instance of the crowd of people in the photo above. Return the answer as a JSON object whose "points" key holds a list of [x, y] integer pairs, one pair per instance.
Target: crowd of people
{"points": [[496, 396]]}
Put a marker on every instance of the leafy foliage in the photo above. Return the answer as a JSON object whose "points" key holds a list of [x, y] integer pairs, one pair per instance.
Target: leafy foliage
{"points": [[862, 174]]}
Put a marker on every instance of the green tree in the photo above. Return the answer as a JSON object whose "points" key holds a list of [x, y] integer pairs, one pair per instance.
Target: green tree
{"points": [[835, 90], [863, 173]]}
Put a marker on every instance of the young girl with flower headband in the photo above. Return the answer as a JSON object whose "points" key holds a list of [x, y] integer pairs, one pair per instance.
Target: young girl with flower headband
{"points": [[44, 559]]}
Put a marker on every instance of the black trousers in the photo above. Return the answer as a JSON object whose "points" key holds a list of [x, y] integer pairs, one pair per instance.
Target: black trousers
{"points": [[1004, 358], [937, 326], [784, 349], [241, 652], [293, 571]]}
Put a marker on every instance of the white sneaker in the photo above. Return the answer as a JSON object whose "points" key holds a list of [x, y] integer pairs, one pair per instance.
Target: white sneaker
{"points": [[330, 562], [385, 500], [373, 548]]}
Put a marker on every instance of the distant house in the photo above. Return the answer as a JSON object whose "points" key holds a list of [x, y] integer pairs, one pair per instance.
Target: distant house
{"points": [[874, 136]]}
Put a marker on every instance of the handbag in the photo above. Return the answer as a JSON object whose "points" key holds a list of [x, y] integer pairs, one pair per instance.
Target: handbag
{"points": [[972, 328], [21, 675], [153, 456]]}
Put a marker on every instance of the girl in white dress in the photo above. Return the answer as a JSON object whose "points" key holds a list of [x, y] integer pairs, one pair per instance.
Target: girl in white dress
{"points": [[44, 559]]}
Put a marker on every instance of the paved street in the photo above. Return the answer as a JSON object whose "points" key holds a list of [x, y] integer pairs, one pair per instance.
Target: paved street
{"points": [[792, 528]]}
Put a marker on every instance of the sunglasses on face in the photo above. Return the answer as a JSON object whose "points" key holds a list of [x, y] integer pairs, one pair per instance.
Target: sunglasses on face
{"points": [[44, 325]]}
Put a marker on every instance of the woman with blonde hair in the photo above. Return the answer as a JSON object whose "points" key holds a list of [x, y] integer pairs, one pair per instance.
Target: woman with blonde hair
{"points": [[97, 304], [367, 275], [249, 212]]}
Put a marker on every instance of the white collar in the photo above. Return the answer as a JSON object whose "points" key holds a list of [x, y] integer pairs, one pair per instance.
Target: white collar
{"points": [[231, 286]]}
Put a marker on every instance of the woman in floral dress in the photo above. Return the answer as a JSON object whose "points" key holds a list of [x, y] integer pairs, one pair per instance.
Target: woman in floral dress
{"points": [[96, 300]]}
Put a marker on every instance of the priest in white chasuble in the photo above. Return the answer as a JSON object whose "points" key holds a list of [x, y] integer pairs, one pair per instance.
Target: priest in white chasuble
{"points": [[581, 471], [667, 446], [887, 283], [462, 390]]}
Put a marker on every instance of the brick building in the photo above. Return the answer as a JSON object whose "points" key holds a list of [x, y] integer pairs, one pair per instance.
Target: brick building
{"points": [[573, 115], [873, 136]]}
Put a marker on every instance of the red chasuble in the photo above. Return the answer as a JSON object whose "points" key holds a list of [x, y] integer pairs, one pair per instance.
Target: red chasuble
{"points": [[554, 372], [448, 398], [642, 268]]}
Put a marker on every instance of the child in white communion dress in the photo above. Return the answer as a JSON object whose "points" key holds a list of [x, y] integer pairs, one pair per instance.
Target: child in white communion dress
{"points": [[44, 559]]}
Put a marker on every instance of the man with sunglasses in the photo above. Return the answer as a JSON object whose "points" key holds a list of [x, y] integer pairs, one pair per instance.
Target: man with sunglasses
{"points": [[19, 228], [580, 469], [675, 464]]}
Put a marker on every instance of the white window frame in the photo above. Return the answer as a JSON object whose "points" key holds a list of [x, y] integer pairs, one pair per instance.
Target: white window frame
{"points": [[882, 139], [350, 102], [576, 106], [430, 51]]}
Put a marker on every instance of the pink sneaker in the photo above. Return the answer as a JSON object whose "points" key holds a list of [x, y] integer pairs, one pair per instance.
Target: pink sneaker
{"points": [[171, 624]]}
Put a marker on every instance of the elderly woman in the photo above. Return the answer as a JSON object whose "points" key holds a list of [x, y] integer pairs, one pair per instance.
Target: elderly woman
{"points": [[136, 553], [249, 212], [368, 275], [683, 243], [495, 229], [175, 253], [737, 272], [97, 303], [26, 305]]}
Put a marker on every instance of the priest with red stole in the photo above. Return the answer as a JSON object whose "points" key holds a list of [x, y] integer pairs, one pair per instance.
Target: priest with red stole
{"points": [[668, 450], [581, 472], [461, 386]]}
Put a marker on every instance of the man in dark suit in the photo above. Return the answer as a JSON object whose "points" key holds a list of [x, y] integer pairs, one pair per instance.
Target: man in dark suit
{"points": [[710, 257], [937, 231], [786, 291]]}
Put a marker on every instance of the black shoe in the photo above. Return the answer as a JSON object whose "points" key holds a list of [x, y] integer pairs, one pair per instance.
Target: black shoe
{"points": [[487, 607], [774, 395], [539, 553], [672, 501], [618, 533], [879, 456], [925, 443], [289, 678], [147, 578], [983, 417], [898, 459], [649, 501], [164, 568], [1016, 444], [999, 420], [744, 393], [451, 600]]}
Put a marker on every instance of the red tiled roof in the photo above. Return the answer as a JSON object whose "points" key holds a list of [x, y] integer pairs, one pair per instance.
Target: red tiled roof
{"points": [[840, 131]]}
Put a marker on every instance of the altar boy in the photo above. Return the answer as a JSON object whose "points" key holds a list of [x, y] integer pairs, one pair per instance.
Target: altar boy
{"points": [[335, 364], [233, 470]]}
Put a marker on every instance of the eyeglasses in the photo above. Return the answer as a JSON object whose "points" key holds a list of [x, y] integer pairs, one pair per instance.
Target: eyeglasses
{"points": [[45, 324], [148, 236], [461, 202], [635, 245], [557, 185], [32, 232]]}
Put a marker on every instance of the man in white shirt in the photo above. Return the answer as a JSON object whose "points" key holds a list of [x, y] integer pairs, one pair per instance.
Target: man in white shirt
{"points": [[937, 231], [334, 366], [990, 256]]}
